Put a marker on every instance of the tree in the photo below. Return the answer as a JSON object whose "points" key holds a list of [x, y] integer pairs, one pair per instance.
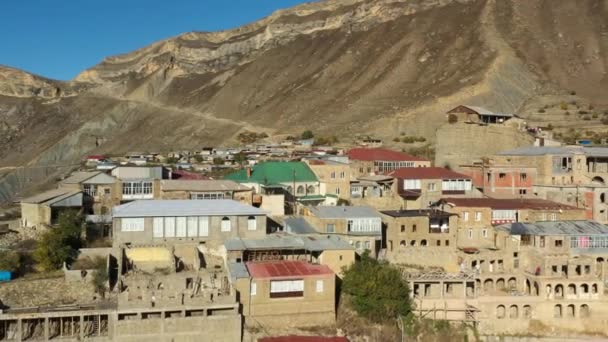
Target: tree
{"points": [[307, 134], [198, 158], [218, 161], [10, 261], [172, 160], [378, 290], [240, 158], [100, 277], [60, 244]]}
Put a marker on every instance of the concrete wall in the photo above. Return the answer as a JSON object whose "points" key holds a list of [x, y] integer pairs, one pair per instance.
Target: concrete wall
{"points": [[413, 233], [35, 215], [337, 259], [274, 205]]}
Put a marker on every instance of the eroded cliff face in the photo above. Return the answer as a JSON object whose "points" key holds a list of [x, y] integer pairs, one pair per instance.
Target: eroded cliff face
{"points": [[380, 67]]}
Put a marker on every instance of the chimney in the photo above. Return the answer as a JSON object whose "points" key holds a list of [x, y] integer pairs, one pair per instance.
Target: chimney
{"points": [[248, 171]]}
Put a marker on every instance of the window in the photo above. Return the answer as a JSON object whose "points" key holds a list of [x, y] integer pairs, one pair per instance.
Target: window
{"points": [[559, 243], [342, 175], [484, 233], [147, 187], [542, 241], [106, 191], [411, 184], [300, 189], [456, 185], [169, 226], [192, 224], [330, 228], [502, 175], [438, 242], [319, 286], [470, 233], [478, 216], [553, 217], [203, 226], [504, 215], [447, 243], [403, 228], [337, 192], [132, 224], [523, 177], [137, 188], [251, 223], [413, 228], [254, 289], [360, 170], [523, 191], [90, 189], [158, 227], [364, 225], [465, 216], [180, 226], [358, 245], [208, 195], [430, 187], [226, 224], [332, 175], [368, 245], [286, 288]]}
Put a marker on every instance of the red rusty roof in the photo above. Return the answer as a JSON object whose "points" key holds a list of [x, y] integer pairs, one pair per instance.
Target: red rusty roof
{"points": [[286, 269], [426, 173], [382, 154], [96, 157], [303, 339], [508, 203]]}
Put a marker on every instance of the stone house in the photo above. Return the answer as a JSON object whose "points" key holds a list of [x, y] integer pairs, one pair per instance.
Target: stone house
{"points": [[501, 180], [478, 216], [100, 191], [372, 161], [43, 209], [473, 114], [185, 221], [286, 293], [360, 226], [334, 177], [421, 187], [139, 182], [205, 189]]}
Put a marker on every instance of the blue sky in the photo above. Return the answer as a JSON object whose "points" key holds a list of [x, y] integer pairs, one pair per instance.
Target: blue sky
{"points": [[58, 39]]}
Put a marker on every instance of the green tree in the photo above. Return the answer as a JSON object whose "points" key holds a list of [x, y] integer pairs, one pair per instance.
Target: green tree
{"points": [[240, 158], [198, 158], [10, 261], [218, 161], [307, 134], [61, 243], [171, 160], [378, 290]]}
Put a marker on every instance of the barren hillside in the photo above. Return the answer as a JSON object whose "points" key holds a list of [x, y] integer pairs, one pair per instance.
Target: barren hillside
{"points": [[336, 67]]}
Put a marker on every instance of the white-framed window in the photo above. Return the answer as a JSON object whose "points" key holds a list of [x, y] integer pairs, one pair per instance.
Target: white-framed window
{"points": [[358, 245], [484, 233], [252, 224], [208, 195], [170, 227], [319, 286], [147, 187], [254, 289], [286, 288], [411, 184], [478, 216], [368, 245], [470, 233], [226, 224], [132, 224], [553, 217], [180, 226], [192, 226], [158, 229], [203, 226], [456, 185], [465, 216], [365, 225], [330, 228]]}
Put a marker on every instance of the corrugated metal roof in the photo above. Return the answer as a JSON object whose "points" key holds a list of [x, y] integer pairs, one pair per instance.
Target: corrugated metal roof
{"points": [[313, 242], [79, 177], [286, 269], [237, 270], [508, 203], [416, 213], [298, 225], [344, 212], [581, 227], [147, 208], [51, 196], [542, 150], [275, 172], [201, 185], [292, 338]]}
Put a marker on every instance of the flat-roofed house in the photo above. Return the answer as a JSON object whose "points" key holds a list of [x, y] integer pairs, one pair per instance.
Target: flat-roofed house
{"points": [[371, 161], [43, 209], [286, 293], [186, 221], [205, 189], [361, 226], [420, 187], [139, 182], [479, 115]]}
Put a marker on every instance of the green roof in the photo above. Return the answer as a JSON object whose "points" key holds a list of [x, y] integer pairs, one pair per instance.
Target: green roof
{"points": [[275, 172]]}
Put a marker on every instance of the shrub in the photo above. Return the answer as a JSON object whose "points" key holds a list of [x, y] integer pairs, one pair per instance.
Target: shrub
{"points": [[307, 134], [396, 139], [171, 160], [590, 107], [218, 161], [198, 158], [541, 110], [452, 118], [586, 118], [582, 112], [563, 106], [10, 261], [100, 279], [605, 120], [549, 127], [567, 113], [594, 115], [572, 92], [379, 292], [60, 244]]}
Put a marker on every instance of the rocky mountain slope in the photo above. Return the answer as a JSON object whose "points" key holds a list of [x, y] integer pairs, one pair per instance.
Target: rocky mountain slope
{"points": [[336, 67]]}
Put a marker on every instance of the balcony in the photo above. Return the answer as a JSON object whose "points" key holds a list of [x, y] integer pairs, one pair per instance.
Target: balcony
{"points": [[453, 192], [438, 230]]}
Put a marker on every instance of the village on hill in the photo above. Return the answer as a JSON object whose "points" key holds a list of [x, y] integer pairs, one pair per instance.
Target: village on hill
{"points": [[262, 240]]}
